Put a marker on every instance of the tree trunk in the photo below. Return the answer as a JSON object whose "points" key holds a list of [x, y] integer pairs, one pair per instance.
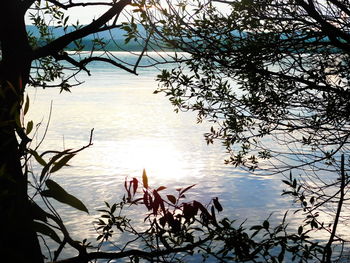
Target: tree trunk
{"points": [[18, 240]]}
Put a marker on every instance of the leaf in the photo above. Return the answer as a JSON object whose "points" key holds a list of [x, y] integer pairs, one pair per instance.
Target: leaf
{"points": [[46, 230], [160, 188], [57, 192], [256, 227], [61, 163], [37, 212], [300, 230], [312, 200], [53, 160], [186, 189], [172, 199], [266, 224], [144, 179], [213, 215], [159, 200], [146, 200], [113, 208], [286, 182], [26, 105], [281, 255], [135, 184], [217, 204], [29, 127], [37, 157]]}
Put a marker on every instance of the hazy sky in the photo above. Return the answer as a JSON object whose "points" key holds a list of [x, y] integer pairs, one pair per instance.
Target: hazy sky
{"points": [[86, 14]]}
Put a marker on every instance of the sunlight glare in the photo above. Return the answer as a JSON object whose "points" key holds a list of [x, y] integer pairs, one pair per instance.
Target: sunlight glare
{"points": [[161, 159]]}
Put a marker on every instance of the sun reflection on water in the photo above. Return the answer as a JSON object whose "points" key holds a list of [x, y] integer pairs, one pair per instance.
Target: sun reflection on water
{"points": [[160, 158]]}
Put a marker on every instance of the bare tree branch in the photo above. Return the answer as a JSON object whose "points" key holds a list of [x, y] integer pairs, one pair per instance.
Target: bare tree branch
{"points": [[330, 30], [53, 47], [71, 4], [133, 252]]}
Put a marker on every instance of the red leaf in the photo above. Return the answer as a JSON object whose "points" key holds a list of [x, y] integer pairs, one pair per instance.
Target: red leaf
{"points": [[159, 200], [155, 206], [172, 199], [126, 185], [160, 188], [146, 200], [135, 184]]}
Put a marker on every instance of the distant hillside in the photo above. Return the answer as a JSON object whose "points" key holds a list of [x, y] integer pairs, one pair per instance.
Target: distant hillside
{"points": [[114, 38], [58, 31]]}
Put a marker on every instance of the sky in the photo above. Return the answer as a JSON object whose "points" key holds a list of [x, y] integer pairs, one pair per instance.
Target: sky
{"points": [[86, 14]]}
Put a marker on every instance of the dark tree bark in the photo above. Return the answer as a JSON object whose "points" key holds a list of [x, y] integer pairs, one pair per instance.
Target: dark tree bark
{"points": [[18, 240]]}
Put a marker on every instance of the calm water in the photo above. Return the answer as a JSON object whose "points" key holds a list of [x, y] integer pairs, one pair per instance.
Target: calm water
{"points": [[136, 130]]}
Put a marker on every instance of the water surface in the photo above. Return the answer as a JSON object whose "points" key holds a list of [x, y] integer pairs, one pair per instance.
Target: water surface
{"points": [[135, 129]]}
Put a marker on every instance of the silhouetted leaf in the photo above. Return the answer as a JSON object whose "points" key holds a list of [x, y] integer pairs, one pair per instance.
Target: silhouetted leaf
{"points": [[158, 199], [256, 227], [46, 230], [57, 192], [135, 183], [52, 161], [312, 200], [57, 166], [146, 200], [26, 106], [113, 208], [160, 188], [213, 215], [286, 182], [29, 127], [37, 157], [186, 189], [172, 199], [217, 204], [266, 224], [300, 230], [37, 212], [281, 255]]}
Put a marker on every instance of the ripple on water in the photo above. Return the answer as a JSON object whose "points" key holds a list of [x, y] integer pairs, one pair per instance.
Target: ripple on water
{"points": [[135, 129]]}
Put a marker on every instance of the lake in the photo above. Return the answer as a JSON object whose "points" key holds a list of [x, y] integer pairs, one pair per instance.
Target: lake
{"points": [[135, 129]]}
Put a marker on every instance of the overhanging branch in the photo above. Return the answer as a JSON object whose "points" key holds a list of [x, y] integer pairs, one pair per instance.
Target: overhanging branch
{"points": [[106, 60], [71, 4], [53, 47], [133, 252]]}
